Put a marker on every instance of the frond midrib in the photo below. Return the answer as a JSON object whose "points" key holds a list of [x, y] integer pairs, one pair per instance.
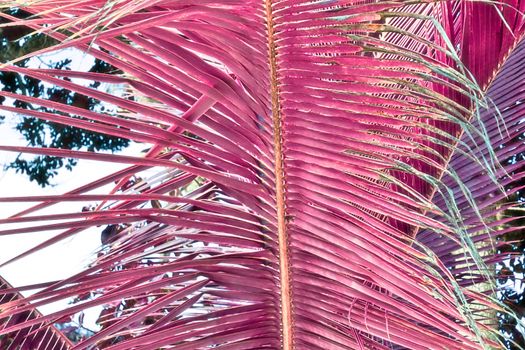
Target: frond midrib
{"points": [[280, 196]]}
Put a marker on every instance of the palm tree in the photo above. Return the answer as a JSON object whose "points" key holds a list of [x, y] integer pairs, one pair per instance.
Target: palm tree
{"points": [[329, 174]]}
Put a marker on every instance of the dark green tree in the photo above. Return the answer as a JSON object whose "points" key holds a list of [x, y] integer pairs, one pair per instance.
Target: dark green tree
{"points": [[510, 275], [16, 41]]}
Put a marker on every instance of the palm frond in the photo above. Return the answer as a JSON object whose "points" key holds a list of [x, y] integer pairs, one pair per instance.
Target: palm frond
{"points": [[298, 146], [34, 337], [504, 126]]}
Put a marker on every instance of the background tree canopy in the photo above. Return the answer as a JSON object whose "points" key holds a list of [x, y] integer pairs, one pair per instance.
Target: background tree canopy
{"points": [[510, 272], [15, 42]]}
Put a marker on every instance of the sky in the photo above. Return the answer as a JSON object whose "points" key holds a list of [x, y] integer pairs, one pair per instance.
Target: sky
{"points": [[66, 257]]}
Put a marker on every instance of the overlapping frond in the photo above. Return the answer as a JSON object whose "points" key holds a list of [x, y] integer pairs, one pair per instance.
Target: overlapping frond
{"points": [[487, 212], [36, 337], [295, 148]]}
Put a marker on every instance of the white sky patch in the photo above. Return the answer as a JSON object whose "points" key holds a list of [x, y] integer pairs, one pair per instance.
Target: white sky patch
{"points": [[73, 254], [67, 257]]}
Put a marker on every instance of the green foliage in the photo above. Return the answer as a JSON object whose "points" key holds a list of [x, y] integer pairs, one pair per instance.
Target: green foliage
{"points": [[510, 275], [15, 42]]}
